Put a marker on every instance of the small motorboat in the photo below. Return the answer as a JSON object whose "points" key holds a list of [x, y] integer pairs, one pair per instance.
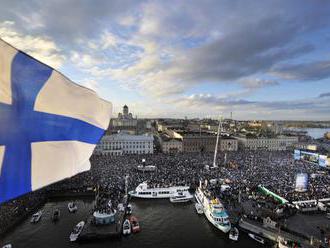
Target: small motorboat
{"points": [[181, 197], [129, 209], [72, 207], [7, 246], [126, 227], [76, 231], [56, 215], [233, 234], [199, 208], [135, 224], [257, 238], [36, 217]]}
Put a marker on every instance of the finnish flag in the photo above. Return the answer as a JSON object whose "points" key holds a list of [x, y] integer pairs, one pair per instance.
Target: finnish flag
{"points": [[49, 126]]}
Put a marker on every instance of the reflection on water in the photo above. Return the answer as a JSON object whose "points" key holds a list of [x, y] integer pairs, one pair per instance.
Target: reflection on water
{"points": [[163, 225]]}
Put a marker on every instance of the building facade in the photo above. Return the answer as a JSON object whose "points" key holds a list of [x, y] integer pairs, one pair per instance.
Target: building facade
{"points": [[279, 143], [124, 143], [125, 121], [171, 146], [205, 142]]}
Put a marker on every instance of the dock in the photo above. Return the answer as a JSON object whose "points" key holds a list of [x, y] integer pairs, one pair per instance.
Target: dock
{"points": [[92, 231], [273, 234]]}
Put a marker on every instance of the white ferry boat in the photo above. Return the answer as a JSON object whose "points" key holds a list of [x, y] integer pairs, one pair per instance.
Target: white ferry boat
{"points": [[143, 191], [181, 197], [213, 209]]}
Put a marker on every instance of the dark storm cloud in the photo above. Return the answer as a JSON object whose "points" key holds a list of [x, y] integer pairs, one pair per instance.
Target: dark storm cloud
{"points": [[253, 38], [304, 71], [325, 94], [310, 104]]}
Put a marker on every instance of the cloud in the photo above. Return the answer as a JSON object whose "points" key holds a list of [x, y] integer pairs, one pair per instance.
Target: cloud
{"points": [[308, 107], [232, 56], [41, 47], [312, 71], [164, 51], [256, 83], [325, 94], [85, 61]]}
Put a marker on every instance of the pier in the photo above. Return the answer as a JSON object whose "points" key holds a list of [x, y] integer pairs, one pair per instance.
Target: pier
{"points": [[273, 233]]}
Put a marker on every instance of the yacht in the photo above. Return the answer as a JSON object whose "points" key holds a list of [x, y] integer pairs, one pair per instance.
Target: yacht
{"points": [[126, 227], [72, 207], [36, 217], [213, 209], [144, 191], [76, 231], [181, 197], [233, 234]]}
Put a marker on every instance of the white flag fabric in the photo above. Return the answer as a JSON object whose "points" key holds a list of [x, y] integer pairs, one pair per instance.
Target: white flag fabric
{"points": [[49, 126]]}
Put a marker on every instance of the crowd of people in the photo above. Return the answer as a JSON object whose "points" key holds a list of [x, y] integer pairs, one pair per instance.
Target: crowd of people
{"points": [[241, 170]]}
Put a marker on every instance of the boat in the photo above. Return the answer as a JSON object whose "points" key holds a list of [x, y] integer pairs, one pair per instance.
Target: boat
{"points": [[129, 209], [135, 224], [76, 231], [126, 227], [233, 234], [181, 197], [199, 208], [72, 207], [257, 238], [144, 191], [56, 215], [213, 209], [7, 246], [36, 217]]}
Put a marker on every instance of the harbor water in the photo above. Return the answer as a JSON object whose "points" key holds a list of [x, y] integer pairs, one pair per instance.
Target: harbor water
{"points": [[163, 225], [315, 133]]}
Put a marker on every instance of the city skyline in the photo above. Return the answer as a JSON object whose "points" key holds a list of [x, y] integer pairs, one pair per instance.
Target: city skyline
{"points": [[265, 60]]}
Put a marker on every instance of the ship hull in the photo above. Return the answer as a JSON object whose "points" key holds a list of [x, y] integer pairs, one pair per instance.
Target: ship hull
{"points": [[207, 213]]}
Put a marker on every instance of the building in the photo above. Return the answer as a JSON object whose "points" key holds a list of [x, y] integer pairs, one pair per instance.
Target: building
{"points": [[124, 143], [170, 145], [205, 142], [279, 143], [124, 121], [228, 144]]}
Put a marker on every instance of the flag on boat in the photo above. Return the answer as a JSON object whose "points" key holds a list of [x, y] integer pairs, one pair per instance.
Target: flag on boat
{"points": [[49, 126]]}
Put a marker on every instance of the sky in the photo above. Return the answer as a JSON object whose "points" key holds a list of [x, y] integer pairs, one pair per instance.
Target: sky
{"points": [[257, 59]]}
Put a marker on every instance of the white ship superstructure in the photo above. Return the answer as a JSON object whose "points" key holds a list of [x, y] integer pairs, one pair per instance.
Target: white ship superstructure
{"points": [[213, 209], [144, 191]]}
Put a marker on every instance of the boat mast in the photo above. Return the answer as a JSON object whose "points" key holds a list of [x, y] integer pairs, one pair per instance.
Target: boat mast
{"points": [[216, 144]]}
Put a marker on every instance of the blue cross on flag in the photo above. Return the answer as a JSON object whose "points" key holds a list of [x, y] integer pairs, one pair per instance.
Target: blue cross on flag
{"points": [[49, 126]]}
